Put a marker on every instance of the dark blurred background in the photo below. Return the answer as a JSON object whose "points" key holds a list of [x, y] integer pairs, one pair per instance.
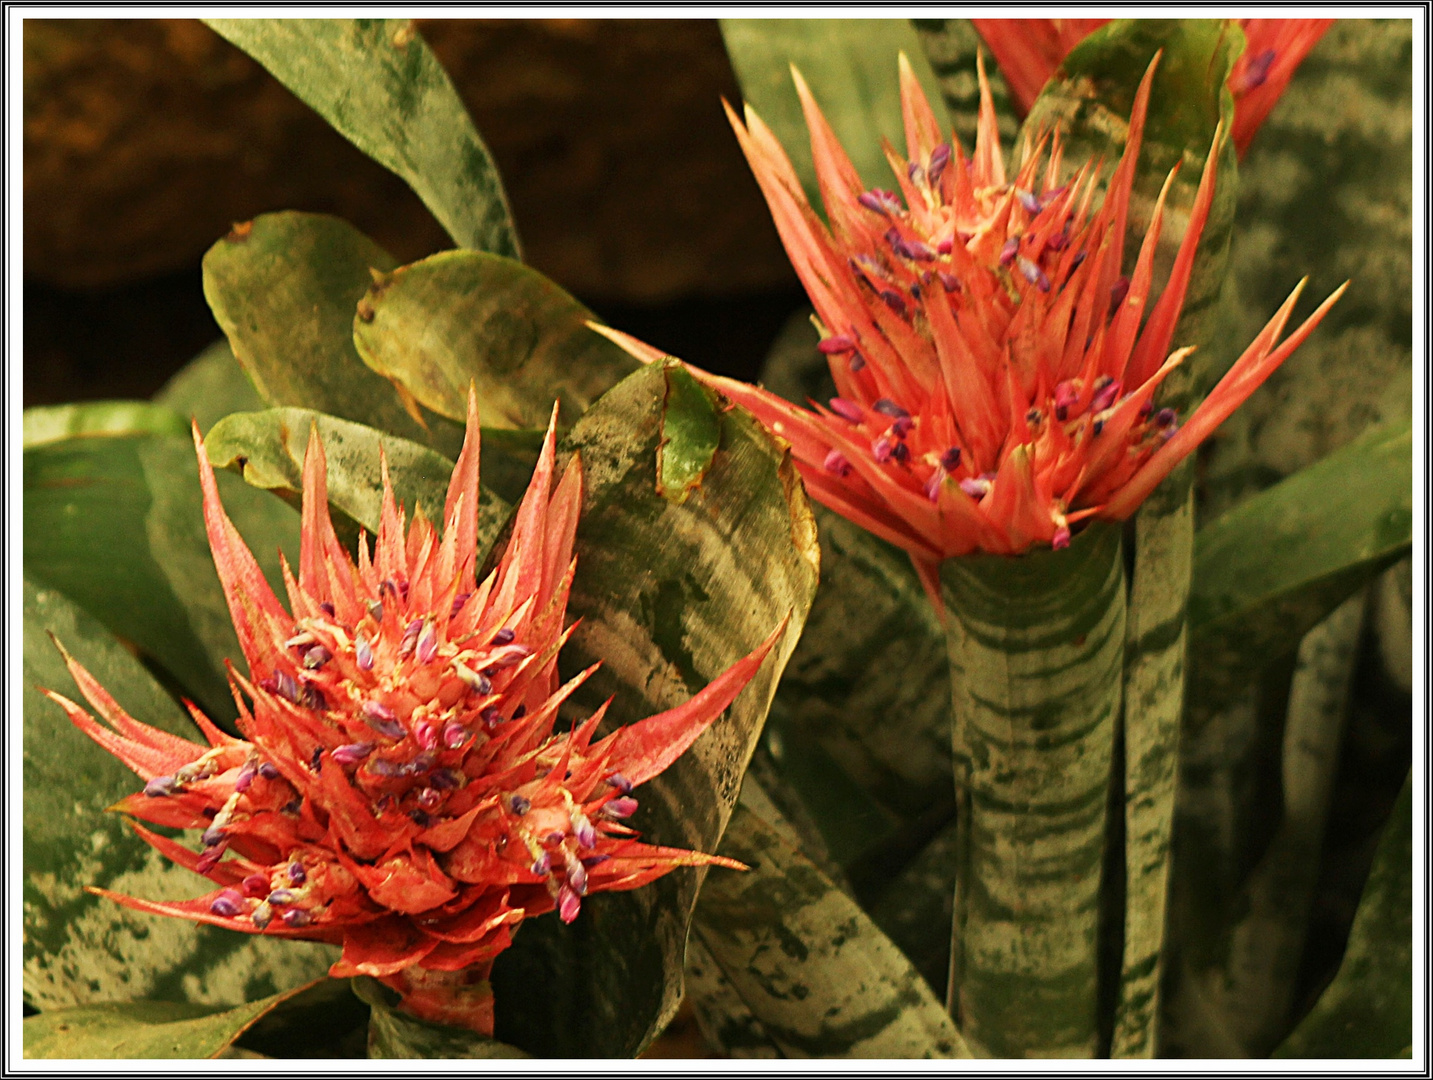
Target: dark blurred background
{"points": [[145, 139]]}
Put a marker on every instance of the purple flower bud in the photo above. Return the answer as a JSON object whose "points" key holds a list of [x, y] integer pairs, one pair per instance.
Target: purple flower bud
{"points": [[509, 655], [881, 449], [1030, 202], [887, 407], [590, 861], [297, 874], [227, 904], [282, 684], [542, 865], [858, 362], [352, 753], [621, 807], [847, 409], [568, 904], [491, 716], [297, 917], [247, 772], [1165, 418], [915, 173], [555, 837], [949, 282], [583, 829], [261, 916], [316, 657], [950, 458], [1106, 391], [429, 798], [458, 602], [375, 610], [939, 159], [311, 697], [901, 452], [840, 343], [426, 735], [894, 300], [159, 787], [444, 779], [280, 897], [269, 771], [256, 885], [932, 485], [410, 637], [519, 805], [214, 834], [576, 875], [882, 202], [1061, 539], [975, 487], [381, 719], [1254, 74], [427, 643], [1066, 396], [620, 782], [902, 427], [363, 653], [210, 858], [385, 768], [836, 463], [503, 636], [455, 734], [1032, 273], [1118, 291], [1007, 253]]}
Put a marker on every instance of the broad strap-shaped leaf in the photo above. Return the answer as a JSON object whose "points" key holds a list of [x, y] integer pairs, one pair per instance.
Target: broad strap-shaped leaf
{"points": [[210, 387], [1036, 657], [726, 1022], [467, 317], [379, 84], [1269, 570], [143, 1029], [851, 68], [52, 423], [395, 1034], [267, 448], [917, 905], [323, 1020], [80, 949], [815, 972], [670, 595], [1367, 1012], [284, 288], [117, 525]]}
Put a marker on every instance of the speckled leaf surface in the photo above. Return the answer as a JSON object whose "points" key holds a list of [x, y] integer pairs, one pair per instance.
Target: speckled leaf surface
{"points": [[267, 448], [669, 596], [142, 1029], [78, 948], [462, 317], [850, 65], [52, 423], [380, 86], [394, 1034], [1367, 1012], [816, 973], [209, 387], [117, 524], [284, 288]]}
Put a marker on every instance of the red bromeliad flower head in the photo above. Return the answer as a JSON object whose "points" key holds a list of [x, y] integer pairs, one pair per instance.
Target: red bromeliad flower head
{"points": [[1029, 50], [399, 789], [994, 384]]}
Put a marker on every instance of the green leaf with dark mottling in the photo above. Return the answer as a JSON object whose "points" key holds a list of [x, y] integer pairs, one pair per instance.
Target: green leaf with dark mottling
{"points": [[850, 66], [284, 288], [669, 597], [267, 449], [690, 434], [78, 948], [379, 84], [51, 423], [395, 1034], [1367, 1011], [117, 524], [323, 1020], [142, 1029], [813, 969], [465, 317], [209, 387]]}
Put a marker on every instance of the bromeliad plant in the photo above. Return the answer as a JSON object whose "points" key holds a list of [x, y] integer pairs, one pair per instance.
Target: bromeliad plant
{"points": [[432, 766]]}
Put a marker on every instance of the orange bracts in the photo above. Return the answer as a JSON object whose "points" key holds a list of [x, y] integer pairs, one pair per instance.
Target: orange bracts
{"points": [[1029, 50], [995, 372], [399, 789]]}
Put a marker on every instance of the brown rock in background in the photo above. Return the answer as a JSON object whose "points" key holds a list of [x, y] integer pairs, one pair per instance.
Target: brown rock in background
{"points": [[145, 139]]}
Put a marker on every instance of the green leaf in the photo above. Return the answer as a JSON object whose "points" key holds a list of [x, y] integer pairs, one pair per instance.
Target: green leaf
{"points": [[379, 84], [1367, 1011], [1269, 570], [284, 289], [52, 423], [669, 597], [850, 66], [117, 524], [1036, 655], [393, 1033], [951, 46], [209, 387], [323, 1020], [142, 1029], [815, 972], [1090, 97], [465, 317], [726, 1023], [78, 948], [691, 432], [267, 448]]}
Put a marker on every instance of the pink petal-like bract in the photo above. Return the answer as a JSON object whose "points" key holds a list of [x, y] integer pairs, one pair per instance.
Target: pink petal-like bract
{"points": [[400, 789]]}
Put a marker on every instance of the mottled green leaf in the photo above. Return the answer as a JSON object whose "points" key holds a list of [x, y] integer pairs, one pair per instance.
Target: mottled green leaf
{"points": [[78, 948], [267, 448], [669, 596], [465, 317], [1036, 655], [142, 1029], [951, 46], [850, 65], [117, 524], [323, 1020], [813, 969], [379, 84], [51, 423], [393, 1033], [209, 387], [1367, 1012], [1270, 569], [691, 432], [284, 288]]}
